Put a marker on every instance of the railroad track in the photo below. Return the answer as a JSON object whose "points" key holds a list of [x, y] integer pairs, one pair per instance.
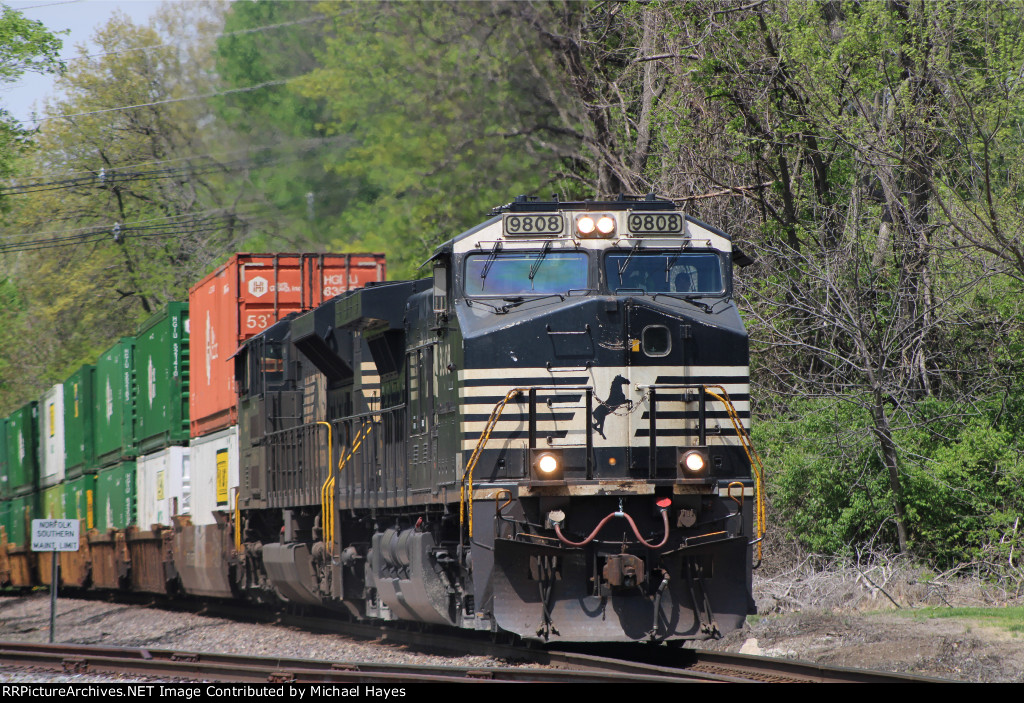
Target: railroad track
{"points": [[682, 664], [579, 663], [193, 666], [561, 667]]}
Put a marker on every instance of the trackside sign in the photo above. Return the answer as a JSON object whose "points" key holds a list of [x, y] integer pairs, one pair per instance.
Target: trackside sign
{"points": [[55, 535]]}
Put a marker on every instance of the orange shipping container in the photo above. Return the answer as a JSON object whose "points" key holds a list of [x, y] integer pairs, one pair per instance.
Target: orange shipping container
{"points": [[242, 298]]}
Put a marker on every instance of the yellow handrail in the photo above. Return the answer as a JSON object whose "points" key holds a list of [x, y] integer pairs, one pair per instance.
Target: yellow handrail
{"points": [[327, 491], [755, 460], [327, 498], [467, 476], [238, 528]]}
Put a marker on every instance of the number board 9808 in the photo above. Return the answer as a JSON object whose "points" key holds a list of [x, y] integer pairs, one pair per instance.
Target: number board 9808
{"points": [[533, 225], [655, 222]]}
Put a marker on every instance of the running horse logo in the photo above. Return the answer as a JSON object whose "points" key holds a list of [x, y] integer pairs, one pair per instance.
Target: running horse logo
{"points": [[616, 399]]}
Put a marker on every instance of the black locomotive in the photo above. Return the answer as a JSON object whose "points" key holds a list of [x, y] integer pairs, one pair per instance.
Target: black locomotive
{"points": [[548, 437]]}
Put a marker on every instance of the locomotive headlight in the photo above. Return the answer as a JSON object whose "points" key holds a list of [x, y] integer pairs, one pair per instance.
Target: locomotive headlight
{"points": [[693, 463], [546, 464], [597, 225], [586, 224]]}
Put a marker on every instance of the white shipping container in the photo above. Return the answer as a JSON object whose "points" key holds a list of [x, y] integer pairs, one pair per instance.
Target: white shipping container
{"points": [[51, 436], [163, 486], [214, 474]]}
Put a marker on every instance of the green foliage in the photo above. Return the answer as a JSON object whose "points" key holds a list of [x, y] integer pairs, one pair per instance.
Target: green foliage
{"points": [[26, 46], [826, 484], [967, 496], [1009, 618], [263, 44], [430, 102], [80, 285], [963, 481]]}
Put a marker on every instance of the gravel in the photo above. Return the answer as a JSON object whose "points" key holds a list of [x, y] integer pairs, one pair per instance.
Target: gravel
{"points": [[27, 619]]}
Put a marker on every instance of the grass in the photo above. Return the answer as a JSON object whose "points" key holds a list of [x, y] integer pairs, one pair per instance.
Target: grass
{"points": [[1010, 619]]}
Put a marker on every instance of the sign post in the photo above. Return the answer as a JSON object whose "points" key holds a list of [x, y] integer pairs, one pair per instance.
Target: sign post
{"points": [[54, 536]]}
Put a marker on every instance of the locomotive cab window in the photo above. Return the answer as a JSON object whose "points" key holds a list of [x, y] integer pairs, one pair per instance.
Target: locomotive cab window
{"points": [[665, 272], [541, 272]]}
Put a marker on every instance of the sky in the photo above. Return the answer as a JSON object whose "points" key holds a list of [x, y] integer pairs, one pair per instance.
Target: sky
{"points": [[82, 18]]}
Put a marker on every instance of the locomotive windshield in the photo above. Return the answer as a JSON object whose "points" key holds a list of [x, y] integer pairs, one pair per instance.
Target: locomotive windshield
{"points": [[665, 272], [526, 273]]}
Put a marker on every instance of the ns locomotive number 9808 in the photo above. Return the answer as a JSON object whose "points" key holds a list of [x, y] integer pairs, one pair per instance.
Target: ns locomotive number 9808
{"points": [[549, 437]]}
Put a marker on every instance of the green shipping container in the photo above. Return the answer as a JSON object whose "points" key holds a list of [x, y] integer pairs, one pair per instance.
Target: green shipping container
{"points": [[79, 497], [79, 456], [23, 449], [114, 404], [5, 516], [162, 374], [53, 503], [17, 521], [115, 497], [4, 492]]}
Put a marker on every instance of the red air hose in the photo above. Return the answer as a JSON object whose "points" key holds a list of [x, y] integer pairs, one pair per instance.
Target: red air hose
{"points": [[609, 516]]}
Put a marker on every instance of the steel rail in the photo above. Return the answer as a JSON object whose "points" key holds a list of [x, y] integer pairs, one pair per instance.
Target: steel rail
{"points": [[630, 659], [79, 659]]}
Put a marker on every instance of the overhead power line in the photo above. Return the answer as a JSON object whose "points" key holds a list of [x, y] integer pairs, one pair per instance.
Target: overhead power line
{"points": [[249, 89], [118, 232], [89, 175], [194, 165], [237, 32], [14, 241]]}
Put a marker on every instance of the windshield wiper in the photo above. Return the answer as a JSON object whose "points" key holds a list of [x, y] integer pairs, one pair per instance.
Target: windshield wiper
{"points": [[668, 263], [519, 300], [540, 258], [470, 303], [629, 256], [511, 302], [703, 307], [490, 259]]}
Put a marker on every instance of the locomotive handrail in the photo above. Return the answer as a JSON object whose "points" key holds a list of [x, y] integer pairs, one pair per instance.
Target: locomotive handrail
{"points": [[327, 492], [755, 461], [467, 476], [757, 466], [475, 457], [238, 524], [327, 499]]}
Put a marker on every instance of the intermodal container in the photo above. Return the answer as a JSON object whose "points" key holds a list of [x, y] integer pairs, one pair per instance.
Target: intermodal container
{"points": [[242, 298], [162, 374], [79, 456], [53, 503], [20, 512], [79, 497], [4, 492], [162, 486], [114, 400], [51, 437], [214, 474], [23, 449], [115, 496]]}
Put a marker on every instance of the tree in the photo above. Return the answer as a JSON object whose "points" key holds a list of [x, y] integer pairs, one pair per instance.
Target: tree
{"points": [[26, 46], [120, 207], [435, 113]]}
